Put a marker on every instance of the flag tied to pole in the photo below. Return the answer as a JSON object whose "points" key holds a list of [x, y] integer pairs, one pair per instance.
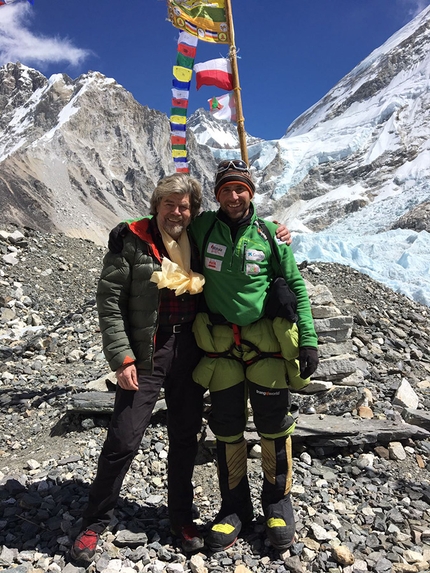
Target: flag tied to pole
{"points": [[205, 19], [223, 107], [214, 73]]}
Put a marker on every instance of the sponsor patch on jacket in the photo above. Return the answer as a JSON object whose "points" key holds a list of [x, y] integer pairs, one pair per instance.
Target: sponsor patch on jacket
{"points": [[252, 269], [254, 255], [213, 264], [215, 249]]}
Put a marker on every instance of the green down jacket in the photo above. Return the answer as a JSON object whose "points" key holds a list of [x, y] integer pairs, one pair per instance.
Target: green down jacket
{"points": [[238, 277], [239, 274], [225, 366], [127, 301]]}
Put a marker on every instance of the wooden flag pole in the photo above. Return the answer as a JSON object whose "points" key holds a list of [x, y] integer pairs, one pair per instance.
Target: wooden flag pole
{"points": [[236, 85]]}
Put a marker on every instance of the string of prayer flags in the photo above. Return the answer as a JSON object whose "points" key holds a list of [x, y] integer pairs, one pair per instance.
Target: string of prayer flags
{"points": [[182, 74]]}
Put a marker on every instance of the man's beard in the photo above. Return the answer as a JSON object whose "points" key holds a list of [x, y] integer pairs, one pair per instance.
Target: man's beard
{"points": [[174, 229]]}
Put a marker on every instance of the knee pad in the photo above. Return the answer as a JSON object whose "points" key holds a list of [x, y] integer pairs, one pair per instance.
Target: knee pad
{"points": [[229, 413], [270, 407]]}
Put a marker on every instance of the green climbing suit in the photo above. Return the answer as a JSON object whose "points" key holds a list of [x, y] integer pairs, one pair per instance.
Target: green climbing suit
{"points": [[248, 355]]}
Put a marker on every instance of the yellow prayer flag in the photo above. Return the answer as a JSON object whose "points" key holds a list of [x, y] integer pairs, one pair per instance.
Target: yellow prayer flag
{"points": [[178, 119], [182, 74], [179, 152]]}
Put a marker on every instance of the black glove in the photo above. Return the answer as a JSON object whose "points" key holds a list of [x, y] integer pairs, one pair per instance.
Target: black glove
{"points": [[281, 301], [116, 236], [308, 359]]}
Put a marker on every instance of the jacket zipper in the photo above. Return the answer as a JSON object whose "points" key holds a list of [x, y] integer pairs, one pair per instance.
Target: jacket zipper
{"points": [[244, 256]]}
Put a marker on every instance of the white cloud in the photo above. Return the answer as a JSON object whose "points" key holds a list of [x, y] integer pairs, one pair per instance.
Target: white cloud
{"points": [[416, 6], [19, 43]]}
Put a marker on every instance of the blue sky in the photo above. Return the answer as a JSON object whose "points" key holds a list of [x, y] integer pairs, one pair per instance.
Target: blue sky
{"points": [[290, 55]]}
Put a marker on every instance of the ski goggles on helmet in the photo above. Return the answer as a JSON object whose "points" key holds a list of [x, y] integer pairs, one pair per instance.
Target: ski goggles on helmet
{"points": [[235, 164]]}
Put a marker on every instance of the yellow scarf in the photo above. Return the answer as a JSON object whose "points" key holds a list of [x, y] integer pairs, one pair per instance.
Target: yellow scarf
{"points": [[176, 273]]}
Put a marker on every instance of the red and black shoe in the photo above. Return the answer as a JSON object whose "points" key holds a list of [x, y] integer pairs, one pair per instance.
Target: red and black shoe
{"points": [[84, 547], [190, 538]]}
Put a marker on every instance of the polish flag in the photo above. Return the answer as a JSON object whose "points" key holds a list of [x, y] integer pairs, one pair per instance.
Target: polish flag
{"points": [[214, 73]]}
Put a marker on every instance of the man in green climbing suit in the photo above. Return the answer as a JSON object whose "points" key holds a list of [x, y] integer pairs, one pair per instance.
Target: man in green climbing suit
{"points": [[249, 355]]}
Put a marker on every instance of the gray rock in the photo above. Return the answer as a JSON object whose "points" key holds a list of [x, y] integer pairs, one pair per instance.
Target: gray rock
{"points": [[419, 418], [377, 510], [337, 328], [336, 367], [405, 396], [126, 538]]}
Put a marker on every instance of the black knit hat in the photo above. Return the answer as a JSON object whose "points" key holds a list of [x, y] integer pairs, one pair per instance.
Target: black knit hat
{"points": [[228, 173]]}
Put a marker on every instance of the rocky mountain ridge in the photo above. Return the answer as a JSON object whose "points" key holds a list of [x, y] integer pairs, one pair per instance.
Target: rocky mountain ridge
{"points": [[77, 156], [361, 145]]}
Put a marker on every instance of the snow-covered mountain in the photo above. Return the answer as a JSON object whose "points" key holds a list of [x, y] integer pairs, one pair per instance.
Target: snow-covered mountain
{"points": [[79, 155], [216, 134], [364, 147]]}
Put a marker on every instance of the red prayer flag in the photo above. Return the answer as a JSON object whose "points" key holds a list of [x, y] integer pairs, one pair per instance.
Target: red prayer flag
{"points": [[177, 102], [176, 140], [189, 51]]}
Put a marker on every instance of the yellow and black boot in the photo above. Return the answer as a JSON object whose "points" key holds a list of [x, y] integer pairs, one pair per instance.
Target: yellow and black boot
{"points": [[236, 506], [278, 511]]}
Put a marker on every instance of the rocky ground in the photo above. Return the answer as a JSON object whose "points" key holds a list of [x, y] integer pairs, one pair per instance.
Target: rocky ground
{"points": [[358, 509]]}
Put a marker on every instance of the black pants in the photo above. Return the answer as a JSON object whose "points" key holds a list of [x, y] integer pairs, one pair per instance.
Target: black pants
{"points": [[176, 356]]}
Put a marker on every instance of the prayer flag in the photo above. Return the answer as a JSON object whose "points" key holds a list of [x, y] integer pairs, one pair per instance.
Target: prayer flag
{"points": [[178, 85], [185, 50], [188, 39], [223, 107], [178, 111], [177, 126], [180, 94], [177, 140], [182, 74], [214, 73], [184, 61], [177, 133], [176, 102], [179, 153], [205, 19], [187, 44], [178, 119]]}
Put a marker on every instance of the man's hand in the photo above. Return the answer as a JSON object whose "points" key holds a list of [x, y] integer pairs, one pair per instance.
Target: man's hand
{"points": [[308, 360], [127, 377], [283, 234]]}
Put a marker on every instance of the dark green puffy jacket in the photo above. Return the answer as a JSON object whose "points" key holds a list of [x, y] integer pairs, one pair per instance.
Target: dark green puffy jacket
{"points": [[127, 301]]}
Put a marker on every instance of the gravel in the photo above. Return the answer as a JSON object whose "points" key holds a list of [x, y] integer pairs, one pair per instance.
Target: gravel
{"points": [[357, 508]]}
